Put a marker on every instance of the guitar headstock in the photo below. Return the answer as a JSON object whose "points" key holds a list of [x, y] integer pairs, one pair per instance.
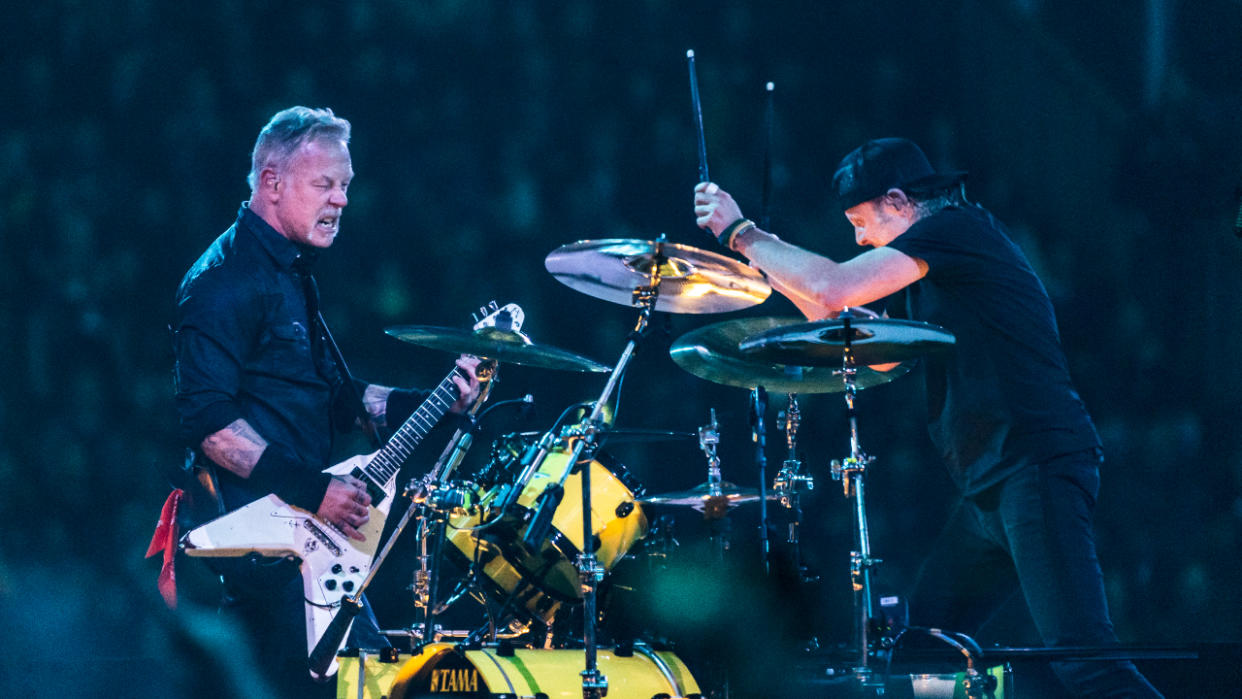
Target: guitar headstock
{"points": [[508, 317]]}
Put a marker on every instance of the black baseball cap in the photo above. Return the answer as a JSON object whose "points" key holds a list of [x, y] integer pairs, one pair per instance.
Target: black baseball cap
{"points": [[882, 164]]}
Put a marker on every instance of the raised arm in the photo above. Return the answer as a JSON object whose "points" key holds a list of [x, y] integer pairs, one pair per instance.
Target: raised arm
{"points": [[817, 285]]}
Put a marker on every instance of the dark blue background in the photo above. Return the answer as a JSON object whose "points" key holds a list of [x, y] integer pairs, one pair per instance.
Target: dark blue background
{"points": [[486, 134]]}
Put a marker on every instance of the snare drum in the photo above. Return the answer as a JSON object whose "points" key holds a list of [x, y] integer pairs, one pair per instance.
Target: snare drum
{"points": [[440, 670], [540, 581]]}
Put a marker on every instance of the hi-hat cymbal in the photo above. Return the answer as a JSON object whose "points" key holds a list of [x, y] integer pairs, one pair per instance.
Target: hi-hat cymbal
{"points": [[712, 353], [701, 496], [617, 436], [493, 343], [872, 341], [691, 280]]}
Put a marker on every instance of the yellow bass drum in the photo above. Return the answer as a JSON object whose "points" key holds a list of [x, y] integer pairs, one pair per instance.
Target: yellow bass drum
{"points": [[441, 671]]}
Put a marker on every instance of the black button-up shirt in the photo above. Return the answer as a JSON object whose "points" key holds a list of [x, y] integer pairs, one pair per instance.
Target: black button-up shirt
{"points": [[247, 347]]}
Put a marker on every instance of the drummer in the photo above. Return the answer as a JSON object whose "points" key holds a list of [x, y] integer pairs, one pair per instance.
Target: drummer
{"points": [[1002, 408]]}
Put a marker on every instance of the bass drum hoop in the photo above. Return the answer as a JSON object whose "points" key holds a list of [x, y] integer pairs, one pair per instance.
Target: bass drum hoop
{"points": [[528, 672]]}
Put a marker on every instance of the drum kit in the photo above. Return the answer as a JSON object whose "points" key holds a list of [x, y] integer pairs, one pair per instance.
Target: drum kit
{"points": [[542, 525]]}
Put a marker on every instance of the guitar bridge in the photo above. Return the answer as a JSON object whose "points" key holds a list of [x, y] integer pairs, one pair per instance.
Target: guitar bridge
{"points": [[321, 536]]}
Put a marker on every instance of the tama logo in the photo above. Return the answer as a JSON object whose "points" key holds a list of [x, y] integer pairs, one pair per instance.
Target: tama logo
{"points": [[465, 679]]}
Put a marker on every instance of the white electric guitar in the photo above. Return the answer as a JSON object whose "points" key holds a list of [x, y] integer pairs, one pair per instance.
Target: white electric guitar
{"points": [[333, 565]]}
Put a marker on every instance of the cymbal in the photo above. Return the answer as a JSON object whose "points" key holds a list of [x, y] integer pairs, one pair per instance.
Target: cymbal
{"points": [[712, 353], [493, 343], [699, 497], [623, 436], [872, 340], [691, 280]]}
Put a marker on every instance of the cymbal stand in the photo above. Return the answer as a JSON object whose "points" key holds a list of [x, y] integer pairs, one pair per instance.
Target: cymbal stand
{"points": [[758, 433], [709, 437], [594, 683], [716, 505], [432, 501], [791, 481], [851, 472]]}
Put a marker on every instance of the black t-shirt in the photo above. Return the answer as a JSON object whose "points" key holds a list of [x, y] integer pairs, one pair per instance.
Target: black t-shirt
{"points": [[1002, 398]]}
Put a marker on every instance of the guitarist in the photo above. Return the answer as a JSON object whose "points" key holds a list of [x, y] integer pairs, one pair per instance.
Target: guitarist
{"points": [[259, 394]]}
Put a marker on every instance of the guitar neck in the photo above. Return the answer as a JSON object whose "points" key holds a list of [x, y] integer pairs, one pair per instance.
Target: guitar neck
{"points": [[388, 460]]}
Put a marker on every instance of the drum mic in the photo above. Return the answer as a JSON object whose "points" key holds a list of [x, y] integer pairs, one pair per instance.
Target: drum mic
{"points": [[459, 452], [528, 462], [549, 500]]}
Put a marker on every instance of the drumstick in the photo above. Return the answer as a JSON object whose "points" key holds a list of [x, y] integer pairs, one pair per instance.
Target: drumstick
{"points": [[698, 116], [767, 155]]}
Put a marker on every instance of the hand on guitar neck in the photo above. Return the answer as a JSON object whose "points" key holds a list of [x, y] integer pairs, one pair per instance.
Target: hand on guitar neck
{"points": [[375, 398], [467, 382]]}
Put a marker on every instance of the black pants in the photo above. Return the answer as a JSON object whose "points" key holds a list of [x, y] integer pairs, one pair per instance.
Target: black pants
{"points": [[265, 598], [1031, 532]]}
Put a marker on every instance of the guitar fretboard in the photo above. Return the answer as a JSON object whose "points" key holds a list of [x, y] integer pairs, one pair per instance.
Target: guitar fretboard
{"points": [[388, 460]]}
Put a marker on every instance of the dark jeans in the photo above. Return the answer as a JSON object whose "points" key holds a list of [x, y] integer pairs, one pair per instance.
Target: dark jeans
{"points": [[265, 598], [1031, 532]]}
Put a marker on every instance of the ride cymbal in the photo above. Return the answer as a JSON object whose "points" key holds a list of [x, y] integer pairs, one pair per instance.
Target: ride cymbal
{"points": [[691, 280], [712, 353], [493, 343], [871, 340]]}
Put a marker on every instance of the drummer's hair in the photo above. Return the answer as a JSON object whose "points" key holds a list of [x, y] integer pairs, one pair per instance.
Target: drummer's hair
{"points": [[929, 201], [285, 133]]}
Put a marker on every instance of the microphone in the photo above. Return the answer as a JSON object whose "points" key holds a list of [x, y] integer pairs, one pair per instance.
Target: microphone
{"points": [[528, 462], [459, 452], [537, 531], [758, 406]]}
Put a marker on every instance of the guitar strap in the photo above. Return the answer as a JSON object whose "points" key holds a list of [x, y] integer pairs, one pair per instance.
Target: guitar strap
{"points": [[311, 289]]}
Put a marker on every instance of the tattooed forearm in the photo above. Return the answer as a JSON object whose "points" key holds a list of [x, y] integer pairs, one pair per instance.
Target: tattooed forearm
{"points": [[237, 447], [375, 400]]}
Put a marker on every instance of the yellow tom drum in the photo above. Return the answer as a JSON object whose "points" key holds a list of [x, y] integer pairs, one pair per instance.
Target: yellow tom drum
{"points": [[540, 581], [441, 671]]}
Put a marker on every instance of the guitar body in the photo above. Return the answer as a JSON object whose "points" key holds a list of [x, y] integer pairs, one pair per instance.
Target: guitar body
{"points": [[333, 565]]}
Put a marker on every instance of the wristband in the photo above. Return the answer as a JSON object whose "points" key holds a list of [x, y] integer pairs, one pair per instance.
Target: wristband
{"points": [[289, 479], [733, 230]]}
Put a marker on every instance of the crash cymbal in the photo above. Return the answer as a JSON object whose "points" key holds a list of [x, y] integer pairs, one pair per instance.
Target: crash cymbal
{"points": [[700, 496], [691, 280], [873, 341], [712, 353], [493, 343], [621, 436]]}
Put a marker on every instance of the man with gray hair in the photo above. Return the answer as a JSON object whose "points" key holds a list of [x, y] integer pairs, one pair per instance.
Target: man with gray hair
{"points": [[260, 393]]}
